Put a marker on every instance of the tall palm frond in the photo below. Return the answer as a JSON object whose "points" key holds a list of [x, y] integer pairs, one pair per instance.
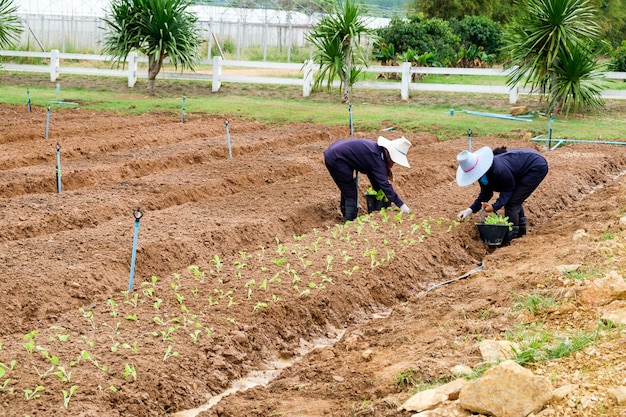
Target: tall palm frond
{"points": [[546, 31], [158, 29], [10, 24], [336, 39], [578, 81]]}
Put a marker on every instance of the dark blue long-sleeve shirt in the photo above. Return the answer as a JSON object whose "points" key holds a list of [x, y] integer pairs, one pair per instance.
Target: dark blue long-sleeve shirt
{"points": [[509, 170], [365, 156]]}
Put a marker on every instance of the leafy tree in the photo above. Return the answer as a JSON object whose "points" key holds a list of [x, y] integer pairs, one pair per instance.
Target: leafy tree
{"points": [[612, 20], [545, 39], [449, 9], [336, 39], [10, 24], [457, 9], [158, 29], [618, 58], [479, 31], [422, 36]]}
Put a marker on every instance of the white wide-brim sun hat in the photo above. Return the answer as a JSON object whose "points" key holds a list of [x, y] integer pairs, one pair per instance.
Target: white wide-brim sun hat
{"points": [[397, 148], [473, 165]]}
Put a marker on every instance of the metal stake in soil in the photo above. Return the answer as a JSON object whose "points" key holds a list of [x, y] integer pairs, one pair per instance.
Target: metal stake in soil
{"points": [[182, 117], [28, 99], [230, 151], [58, 170], [469, 140], [137, 213], [48, 122], [351, 126], [549, 132]]}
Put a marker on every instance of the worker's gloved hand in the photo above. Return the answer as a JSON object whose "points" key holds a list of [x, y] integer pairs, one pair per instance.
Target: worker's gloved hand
{"points": [[464, 214], [405, 209]]}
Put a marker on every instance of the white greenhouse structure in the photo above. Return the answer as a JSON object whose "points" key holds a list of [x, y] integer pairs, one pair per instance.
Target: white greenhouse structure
{"points": [[76, 26]]}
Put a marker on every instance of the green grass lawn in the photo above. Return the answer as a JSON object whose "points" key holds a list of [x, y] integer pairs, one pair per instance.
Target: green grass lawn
{"points": [[370, 110]]}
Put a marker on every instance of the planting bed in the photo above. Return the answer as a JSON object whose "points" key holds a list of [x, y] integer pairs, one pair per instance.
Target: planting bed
{"points": [[243, 267]]}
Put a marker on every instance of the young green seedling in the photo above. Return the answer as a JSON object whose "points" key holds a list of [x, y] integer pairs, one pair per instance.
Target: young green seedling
{"points": [[31, 394], [349, 272], [329, 261], [111, 302], [42, 375], [63, 374], [134, 300], [129, 370], [29, 345], [249, 285], [68, 394], [89, 315], [53, 359], [169, 352], [261, 253], [198, 274], [194, 335], [132, 347], [259, 305]]}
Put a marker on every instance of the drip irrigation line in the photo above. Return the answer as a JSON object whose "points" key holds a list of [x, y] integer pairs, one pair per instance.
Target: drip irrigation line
{"points": [[69, 103], [558, 142], [496, 116], [479, 268]]}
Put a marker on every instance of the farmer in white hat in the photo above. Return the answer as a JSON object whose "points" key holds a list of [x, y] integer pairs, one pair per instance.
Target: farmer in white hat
{"points": [[374, 159], [514, 173]]}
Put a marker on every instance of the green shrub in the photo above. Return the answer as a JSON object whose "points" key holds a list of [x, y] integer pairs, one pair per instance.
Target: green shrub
{"points": [[618, 61], [422, 36], [480, 31]]}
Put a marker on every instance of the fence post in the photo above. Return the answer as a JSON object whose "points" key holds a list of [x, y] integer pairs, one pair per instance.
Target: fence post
{"points": [[307, 85], [217, 73], [513, 93], [132, 69], [406, 80], [54, 64]]}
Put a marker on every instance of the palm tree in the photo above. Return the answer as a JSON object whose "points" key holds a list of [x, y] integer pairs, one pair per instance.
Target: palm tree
{"points": [[10, 24], [544, 40], [158, 29], [336, 39]]}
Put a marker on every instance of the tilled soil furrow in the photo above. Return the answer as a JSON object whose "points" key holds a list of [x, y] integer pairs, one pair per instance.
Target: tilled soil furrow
{"points": [[160, 187]]}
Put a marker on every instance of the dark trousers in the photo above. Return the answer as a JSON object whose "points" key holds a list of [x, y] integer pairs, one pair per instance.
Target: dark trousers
{"points": [[343, 176], [514, 208]]}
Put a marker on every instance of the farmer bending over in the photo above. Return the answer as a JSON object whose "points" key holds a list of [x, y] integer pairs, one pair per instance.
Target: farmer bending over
{"points": [[514, 173], [374, 159]]}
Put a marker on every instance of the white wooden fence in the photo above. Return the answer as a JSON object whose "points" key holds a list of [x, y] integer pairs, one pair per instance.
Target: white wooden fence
{"points": [[304, 74]]}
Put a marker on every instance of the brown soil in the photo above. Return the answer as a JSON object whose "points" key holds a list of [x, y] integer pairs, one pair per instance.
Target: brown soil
{"points": [[286, 279]]}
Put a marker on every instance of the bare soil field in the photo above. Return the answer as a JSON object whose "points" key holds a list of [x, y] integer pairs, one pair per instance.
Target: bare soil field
{"points": [[245, 276]]}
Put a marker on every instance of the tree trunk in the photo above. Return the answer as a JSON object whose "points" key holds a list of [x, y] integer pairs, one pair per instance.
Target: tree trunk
{"points": [[154, 68]]}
